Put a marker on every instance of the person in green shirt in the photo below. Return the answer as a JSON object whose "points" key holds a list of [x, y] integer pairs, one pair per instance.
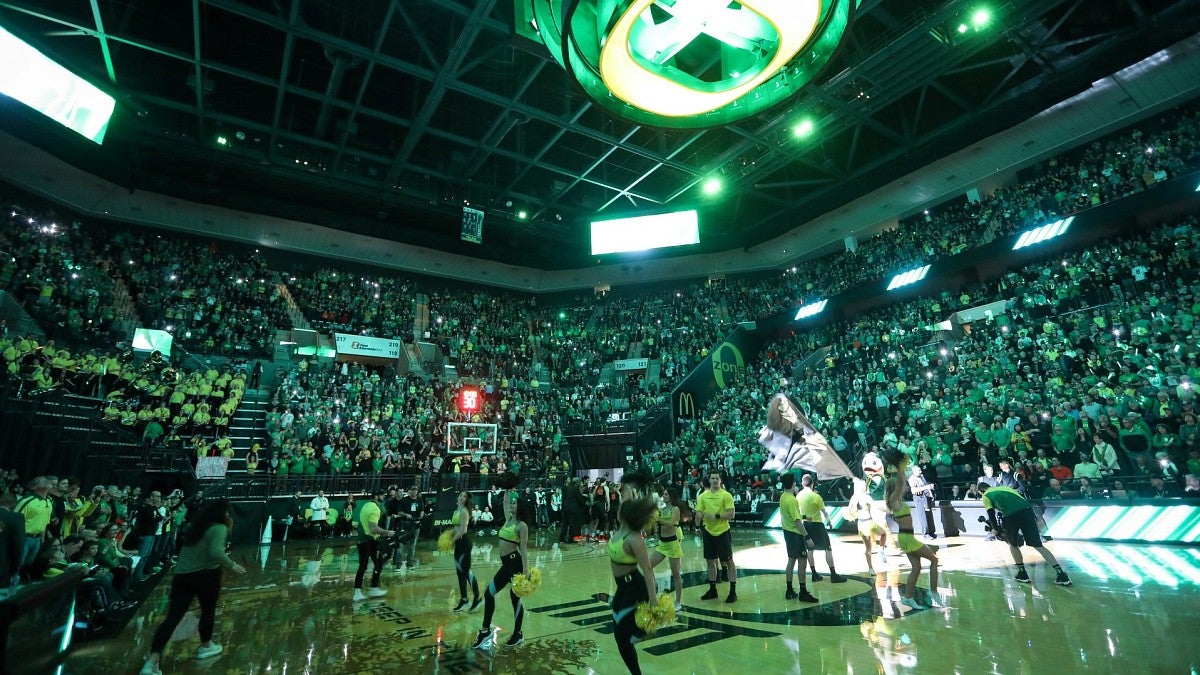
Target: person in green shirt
{"points": [[198, 576], [794, 538], [1019, 528]]}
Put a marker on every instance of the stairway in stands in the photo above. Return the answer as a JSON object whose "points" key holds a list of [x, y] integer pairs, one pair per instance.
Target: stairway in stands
{"points": [[294, 313], [247, 427]]}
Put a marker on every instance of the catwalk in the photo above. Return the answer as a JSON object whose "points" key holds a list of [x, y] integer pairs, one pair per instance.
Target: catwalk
{"points": [[292, 613]]}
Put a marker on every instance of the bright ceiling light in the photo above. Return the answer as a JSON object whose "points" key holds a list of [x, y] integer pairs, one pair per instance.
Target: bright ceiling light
{"points": [[803, 128]]}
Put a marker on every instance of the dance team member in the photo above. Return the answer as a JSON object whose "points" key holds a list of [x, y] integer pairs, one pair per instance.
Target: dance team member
{"points": [[514, 560], [1019, 525], [628, 556], [668, 547], [905, 538], [795, 538], [461, 520], [715, 506]]}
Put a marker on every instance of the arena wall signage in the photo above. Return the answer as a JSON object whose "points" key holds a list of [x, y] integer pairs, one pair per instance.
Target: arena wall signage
{"points": [[362, 345], [724, 367], [693, 64], [622, 365]]}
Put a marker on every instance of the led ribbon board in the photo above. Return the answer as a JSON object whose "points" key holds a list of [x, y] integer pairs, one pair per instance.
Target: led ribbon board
{"points": [[810, 309], [34, 79], [1040, 234], [688, 63], [909, 277]]}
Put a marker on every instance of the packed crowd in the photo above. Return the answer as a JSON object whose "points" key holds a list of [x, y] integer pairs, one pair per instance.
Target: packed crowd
{"points": [[339, 302], [214, 301], [116, 536], [331, 419], [217, 302], [1084, 381], [49, 268]]}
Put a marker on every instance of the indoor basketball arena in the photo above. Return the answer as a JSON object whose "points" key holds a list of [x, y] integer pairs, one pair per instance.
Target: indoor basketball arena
{"points": [[599, 336]]}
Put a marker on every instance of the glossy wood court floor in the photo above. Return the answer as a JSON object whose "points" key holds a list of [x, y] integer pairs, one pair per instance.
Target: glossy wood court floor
{"points": [[1133, 609]]}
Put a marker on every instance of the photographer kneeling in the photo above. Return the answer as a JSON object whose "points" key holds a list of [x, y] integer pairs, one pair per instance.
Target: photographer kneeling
{"points": [[1020, 527]]}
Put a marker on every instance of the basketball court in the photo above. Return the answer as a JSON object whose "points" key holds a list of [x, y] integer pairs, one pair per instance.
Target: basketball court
{"points": [[1127, 612]]}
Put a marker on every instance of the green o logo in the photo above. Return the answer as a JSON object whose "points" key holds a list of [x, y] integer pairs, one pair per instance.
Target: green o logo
{"points": [[727, 361], [690, 64]]}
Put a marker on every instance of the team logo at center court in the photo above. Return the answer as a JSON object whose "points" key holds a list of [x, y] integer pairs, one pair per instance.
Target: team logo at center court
{"points": [[699, 625], [728, 365]]}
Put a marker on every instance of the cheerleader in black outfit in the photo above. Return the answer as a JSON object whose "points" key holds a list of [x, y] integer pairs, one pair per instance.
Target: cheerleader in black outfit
{"points": [[514, 560], [462, 552], [628, 556]]}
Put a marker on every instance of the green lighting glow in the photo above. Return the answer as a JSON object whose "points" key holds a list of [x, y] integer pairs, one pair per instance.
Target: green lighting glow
{"points": [[712, 186], [981, 18], [962, 28], [1143, 523], [695, 64], [803, 128], [221, 140], [522, 215]]}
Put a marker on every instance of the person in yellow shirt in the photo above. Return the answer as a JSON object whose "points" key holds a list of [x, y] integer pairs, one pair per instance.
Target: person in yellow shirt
{"points": [[812, 512], [368, 546], [795, 538], [715, 507]]}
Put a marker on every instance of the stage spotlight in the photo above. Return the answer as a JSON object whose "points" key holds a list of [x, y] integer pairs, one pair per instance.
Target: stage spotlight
{"points": [[712, 186]]}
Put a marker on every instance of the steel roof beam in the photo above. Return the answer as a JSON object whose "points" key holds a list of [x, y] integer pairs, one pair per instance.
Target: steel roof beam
{"points": [[198, 70], [427, 74], [108, 62], [393, 8], [288, 43]]}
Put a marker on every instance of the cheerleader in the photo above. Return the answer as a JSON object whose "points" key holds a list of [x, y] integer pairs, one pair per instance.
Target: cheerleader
{"points": [[905, 539], [668, 547], [628, 556], [462, 552], [514, 560]]}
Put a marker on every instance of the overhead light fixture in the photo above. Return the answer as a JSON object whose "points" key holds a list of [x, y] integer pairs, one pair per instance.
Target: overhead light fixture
{"points": [[803, 128], [221, 140], [522, 215], [712, 186], [980, 18]]}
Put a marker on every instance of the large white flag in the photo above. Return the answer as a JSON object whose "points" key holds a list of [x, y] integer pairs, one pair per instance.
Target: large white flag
{"points": [[793, 443]]}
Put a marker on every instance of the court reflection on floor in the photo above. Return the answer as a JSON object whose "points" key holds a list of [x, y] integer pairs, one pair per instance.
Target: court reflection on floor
{"points": [[1132, 610]]}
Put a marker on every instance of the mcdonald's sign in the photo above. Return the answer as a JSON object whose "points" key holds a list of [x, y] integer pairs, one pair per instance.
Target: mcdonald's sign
{"points": [[687, 406]]}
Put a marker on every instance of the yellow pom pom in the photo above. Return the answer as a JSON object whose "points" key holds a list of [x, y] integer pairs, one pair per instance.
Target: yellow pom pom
{"points": [[652, 523], [652, 616], [446, 542], [525, 585]]}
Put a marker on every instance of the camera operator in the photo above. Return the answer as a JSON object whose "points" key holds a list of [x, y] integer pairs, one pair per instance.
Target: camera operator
{"points": [[1020, 528], [409, 510]]}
